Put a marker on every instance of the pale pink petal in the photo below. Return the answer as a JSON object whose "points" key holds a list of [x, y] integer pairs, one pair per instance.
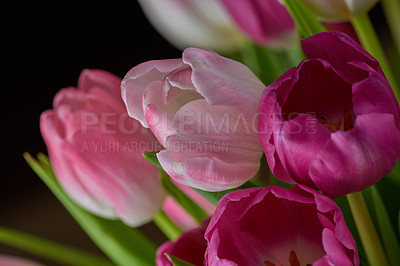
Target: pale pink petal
{"points": [[53, 134], [210, 174], [138, 78], [96, 151], [190, 23], [222, 81], [129, 183], [108, 82]]}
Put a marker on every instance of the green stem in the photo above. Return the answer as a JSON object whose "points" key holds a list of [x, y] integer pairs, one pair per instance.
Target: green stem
{"points": [[122, 244], [392, 12], [369, 39], [368, 235], [48, 249], [190, 206], [306, 21], [167, 226]]}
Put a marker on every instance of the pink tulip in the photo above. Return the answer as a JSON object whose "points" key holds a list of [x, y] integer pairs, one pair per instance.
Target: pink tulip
{"points": [[190, 247], [332, 123], [266, 22], [178, 215], [202, 108], [95, 149], [275, 226], [6, 260]]}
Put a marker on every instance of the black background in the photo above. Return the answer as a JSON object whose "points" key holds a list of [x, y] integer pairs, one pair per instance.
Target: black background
{"points": [[44, 49]]}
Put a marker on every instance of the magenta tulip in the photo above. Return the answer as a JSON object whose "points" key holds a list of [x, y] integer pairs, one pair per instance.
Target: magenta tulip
{"points": [[190, 247], [96, 151], [202, 108], [275, 226], [332, 123], [266, 22]]}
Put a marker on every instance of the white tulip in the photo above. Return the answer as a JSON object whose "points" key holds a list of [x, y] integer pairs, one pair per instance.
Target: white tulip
{"points": [[336, 10], [192, 23]]}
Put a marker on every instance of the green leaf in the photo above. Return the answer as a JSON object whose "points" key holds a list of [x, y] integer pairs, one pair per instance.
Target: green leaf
{"points": [[49, 249], [348, 217], [306, 21], [177, 261], [399, 224], [152, 157], [394, 175], [181, 198], [261, 61], [387, 232], [214, 197], [165, 224], [122, 244]]}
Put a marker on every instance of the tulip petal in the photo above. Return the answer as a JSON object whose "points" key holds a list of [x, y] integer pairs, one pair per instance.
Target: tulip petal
{"points": [[338, 49], [190, 23], [218, 126], [336, 253], [210, 174], [138, 78], [268, 111], [329, 10], [110, 83], [293, 138], [252, 225], [109, 158], [190, 247], [322, 91], [158, 115], [66, 171], [357, 6], [356, 159], [266, 22], [214, 76], [374, 95]]}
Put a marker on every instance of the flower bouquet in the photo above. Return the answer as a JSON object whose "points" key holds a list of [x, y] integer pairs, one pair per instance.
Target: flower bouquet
{"points": [[273, 140]]}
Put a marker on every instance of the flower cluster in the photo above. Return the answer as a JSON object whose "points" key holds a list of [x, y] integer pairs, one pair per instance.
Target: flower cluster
{"points": [[176, 135]]}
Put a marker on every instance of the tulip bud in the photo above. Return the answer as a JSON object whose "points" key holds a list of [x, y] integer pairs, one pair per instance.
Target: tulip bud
{"points": [[203, 110], [192, 23], [96, 151], [339, 10], [266, 22]]}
